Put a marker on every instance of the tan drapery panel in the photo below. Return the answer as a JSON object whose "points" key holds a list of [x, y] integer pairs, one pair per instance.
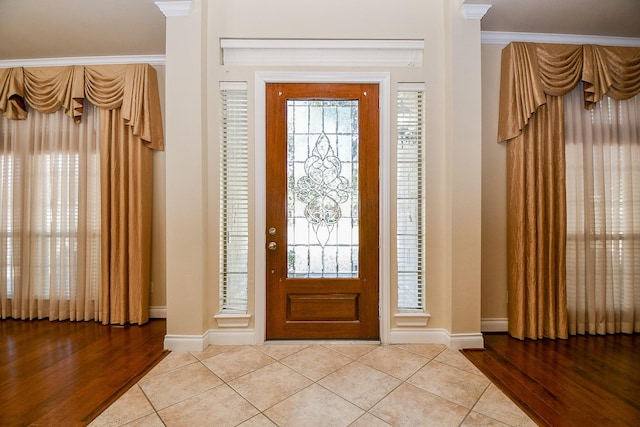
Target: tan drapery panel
{"points": [[531, 119], [130, 125]]}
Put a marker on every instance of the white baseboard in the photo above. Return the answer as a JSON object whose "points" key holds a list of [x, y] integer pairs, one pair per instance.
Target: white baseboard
{"points": [[418, 336], [436, 336], [158, 312], [186, 342], [227, 337], [494, 325], [460, 341], [247, 337]]}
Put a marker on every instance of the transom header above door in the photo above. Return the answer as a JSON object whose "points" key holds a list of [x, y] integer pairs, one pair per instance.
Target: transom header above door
{"points": [[292, 52]]}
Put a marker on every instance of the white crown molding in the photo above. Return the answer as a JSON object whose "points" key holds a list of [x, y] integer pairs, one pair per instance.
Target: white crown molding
{"points": [[292, 52], [175, 8], [85, 60], [474, 11], [499, 37]]}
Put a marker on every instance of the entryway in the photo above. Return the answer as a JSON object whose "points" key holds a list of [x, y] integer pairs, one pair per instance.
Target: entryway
{"points": [[322, 211]]}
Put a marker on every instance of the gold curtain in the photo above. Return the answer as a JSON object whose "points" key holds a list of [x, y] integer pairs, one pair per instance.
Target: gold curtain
{"points": [[130, 126], [534, 79]]}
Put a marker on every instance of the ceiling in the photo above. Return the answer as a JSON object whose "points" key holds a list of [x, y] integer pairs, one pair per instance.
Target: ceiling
{"points": [[616, 18], [78, 28]]}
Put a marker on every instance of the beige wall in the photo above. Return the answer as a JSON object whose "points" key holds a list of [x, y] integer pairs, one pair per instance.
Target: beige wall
{"points": [[494, 192], [453, 131]]}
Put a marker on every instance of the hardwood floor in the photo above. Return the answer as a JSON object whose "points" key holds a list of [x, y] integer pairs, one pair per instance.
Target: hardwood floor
{"points": [[66, 373], [581, 381]]}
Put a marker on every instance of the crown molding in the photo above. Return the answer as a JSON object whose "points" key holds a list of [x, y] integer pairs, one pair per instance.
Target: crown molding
{"points": [[474, 11], [291, 52], [175, 8], [84, 60], [499, 37]]}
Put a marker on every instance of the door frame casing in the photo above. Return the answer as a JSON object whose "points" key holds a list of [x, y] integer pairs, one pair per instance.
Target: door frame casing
{"points": [[260, 280]]}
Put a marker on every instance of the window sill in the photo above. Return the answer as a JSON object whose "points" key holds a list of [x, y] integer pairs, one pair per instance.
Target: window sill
{"points": [[412, 318], [232, 320]]}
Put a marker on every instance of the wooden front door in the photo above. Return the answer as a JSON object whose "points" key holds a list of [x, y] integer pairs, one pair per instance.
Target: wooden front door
{"points": [[322, 211]]}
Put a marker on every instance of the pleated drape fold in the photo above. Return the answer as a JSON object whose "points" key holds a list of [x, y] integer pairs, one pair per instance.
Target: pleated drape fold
{"points": [[534, 79], [130, 126]]}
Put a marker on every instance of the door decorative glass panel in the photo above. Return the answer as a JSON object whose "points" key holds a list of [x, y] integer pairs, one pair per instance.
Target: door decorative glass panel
{"points": [[322, 194]]}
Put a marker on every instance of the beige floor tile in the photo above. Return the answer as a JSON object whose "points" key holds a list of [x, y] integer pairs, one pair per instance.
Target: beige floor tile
{"points": [[495, 404], [411, 406], [280, 351], [451, 383], [457, 359], [152, 420], [359, 384], [353, 351], [179, 384], [258, 421], [368, 420], [213, 350], [130, 406], [279, 380], [475, 419], [425, 350], [394, 361], [269, 385], [232, 364], [174, 360], [314, 406], [219, 406], [316, 362]]}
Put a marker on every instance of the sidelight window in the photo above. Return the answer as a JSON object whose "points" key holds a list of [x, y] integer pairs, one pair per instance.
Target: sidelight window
{"points": [[234, 198], [410, 197]]}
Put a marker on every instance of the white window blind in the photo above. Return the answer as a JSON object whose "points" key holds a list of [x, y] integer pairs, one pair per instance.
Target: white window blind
{"points": [[234, 198], [410, 197]]}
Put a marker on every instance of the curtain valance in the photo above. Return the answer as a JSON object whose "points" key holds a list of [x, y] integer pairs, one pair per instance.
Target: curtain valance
{"points": [[131, 87], [532, 70]]}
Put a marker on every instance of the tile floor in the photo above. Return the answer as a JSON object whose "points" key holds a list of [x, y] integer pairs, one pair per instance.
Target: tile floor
{"points": [[315, 385]]}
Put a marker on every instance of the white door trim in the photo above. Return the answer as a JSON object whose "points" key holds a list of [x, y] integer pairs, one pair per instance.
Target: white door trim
{"points": [[260, 280]]}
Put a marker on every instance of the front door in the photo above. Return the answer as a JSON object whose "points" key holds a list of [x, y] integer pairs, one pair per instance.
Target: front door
{"points": [[322, 211]]}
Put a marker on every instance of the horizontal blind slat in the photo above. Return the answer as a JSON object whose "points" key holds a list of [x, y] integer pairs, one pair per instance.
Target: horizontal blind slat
{"points": [[234, 200], [410, 200]]}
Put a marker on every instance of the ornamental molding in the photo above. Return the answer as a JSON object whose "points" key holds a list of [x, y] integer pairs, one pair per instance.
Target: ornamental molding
{"points": [[84, 60], [474, 11], [500, 37], [175, 8], [292, 52]]}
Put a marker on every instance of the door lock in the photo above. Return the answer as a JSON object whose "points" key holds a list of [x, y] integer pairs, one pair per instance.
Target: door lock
{"points": [[272, 246]]}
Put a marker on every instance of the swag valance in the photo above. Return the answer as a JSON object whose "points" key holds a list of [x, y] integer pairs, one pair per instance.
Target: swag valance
{"points": [[531, 70], [133, 88]]}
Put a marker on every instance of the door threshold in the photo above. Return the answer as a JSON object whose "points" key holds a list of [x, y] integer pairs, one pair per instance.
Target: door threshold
{"points": [[322, 342]]}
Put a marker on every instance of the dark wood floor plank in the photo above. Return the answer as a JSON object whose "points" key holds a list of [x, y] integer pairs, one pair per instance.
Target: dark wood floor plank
{"points": [[66, 373], [584, 380]]}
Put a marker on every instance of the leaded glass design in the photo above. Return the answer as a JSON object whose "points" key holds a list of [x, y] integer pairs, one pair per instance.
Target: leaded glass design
{"points": [[322, 189]]}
